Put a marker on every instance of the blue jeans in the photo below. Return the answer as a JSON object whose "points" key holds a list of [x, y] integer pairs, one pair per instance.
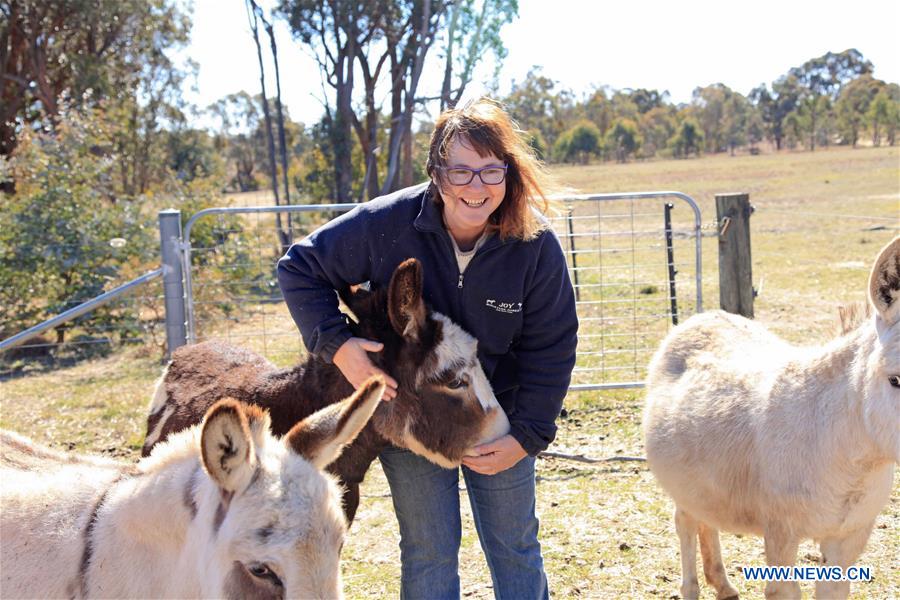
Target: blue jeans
{"points": [[426, 501]]}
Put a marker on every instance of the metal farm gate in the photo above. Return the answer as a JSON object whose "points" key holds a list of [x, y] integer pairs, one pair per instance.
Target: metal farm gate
{"points": [[634, 259]]}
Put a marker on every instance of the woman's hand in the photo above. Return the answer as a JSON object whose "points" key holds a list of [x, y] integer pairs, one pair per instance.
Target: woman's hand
{"points": [[354, 363], [496, 456]]}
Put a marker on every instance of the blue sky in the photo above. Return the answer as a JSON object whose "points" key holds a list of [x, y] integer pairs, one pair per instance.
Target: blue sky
{"points": [[664, 45]]}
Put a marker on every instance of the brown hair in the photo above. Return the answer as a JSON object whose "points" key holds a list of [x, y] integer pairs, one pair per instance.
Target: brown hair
{"points": [[489, 130]]}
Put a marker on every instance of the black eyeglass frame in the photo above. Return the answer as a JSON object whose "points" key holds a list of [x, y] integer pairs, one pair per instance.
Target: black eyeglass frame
{"points": [[474, 172]]}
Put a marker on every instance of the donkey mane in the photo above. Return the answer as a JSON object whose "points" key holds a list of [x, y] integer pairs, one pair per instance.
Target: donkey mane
{"points": [[852, 316]]}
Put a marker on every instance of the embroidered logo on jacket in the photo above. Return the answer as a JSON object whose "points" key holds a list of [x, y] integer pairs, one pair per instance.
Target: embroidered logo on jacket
{"points": [[504, 307]]}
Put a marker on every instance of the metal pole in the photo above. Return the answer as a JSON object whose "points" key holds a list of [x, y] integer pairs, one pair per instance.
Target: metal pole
{"points": [[173, 278], [574, 254], [670, 261], [72, 313]]}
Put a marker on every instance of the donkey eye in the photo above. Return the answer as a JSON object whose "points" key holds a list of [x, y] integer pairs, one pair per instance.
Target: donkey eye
{"points": [[457, 384], [894, 380], [262, 571]]}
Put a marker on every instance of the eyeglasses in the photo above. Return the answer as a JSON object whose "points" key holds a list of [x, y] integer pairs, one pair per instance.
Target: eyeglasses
{"points": [[464, 175]]}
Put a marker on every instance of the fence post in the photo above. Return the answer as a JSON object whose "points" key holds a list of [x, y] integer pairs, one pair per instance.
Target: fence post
{"points": [[735, 274], [571, 230], [173, 279], [670, 262]]}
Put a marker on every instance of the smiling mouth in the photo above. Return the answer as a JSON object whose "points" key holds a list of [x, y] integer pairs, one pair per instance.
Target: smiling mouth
{"points": [[474, 203]]}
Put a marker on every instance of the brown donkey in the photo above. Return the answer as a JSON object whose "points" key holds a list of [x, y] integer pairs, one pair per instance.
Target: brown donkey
{"points": [[444, 404]]}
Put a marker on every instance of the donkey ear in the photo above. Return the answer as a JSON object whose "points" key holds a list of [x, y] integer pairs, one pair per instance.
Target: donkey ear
{"points": [[406, 308], [321, 437], [355, 298], [884, 283], [227, 447]]}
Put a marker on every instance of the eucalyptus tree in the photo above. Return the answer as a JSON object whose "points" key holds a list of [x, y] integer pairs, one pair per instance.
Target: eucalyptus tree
{"points": [[334, 30], [646, 100], [827, 74], [688, 139], [774, 106], [884, 114], [579, 143], [624, 139], [598, 109], [386, 44], [710, 106], [657, 126], [237, 121], [83, 52], [853, 104], [537, 102], [473, 31], [823, 77]]}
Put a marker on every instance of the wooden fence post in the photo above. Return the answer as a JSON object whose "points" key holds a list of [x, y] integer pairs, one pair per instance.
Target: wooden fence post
{"points": [[735, 273]]}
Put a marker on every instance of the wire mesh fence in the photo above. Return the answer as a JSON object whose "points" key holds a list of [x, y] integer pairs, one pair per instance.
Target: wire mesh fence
{"points": [[133, 317], [632, 280], [630, 283], [631, 286], [830, 249]]}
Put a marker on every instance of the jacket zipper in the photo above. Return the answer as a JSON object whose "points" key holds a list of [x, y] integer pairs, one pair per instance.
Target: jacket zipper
{"points": [[459, 282]]}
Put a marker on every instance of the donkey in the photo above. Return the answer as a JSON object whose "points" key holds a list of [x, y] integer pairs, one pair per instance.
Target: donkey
{"points": [[749, 434], [444, 405], [221, 510]]}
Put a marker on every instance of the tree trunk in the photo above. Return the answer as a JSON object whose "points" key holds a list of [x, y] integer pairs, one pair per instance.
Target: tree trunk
{"points": [[342, 135], [367, 133], [284, 236], [370, 185], [423, 43], [397, 90], [270, 140], [406, 179], [812, 131], [448, 59]]}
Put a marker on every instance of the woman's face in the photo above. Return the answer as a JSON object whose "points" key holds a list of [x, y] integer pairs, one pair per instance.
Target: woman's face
{"points": [[467, 207]]}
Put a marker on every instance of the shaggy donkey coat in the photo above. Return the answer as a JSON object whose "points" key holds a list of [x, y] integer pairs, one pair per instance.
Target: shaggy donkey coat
{"points": [[444, 405], [222, 510], [752, 435]]}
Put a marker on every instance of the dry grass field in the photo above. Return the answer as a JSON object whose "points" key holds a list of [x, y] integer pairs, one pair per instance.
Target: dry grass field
{"points": [[606, 527]]}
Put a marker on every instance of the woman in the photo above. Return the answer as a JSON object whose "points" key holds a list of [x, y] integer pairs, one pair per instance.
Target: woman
{"points": [[492, 265]]}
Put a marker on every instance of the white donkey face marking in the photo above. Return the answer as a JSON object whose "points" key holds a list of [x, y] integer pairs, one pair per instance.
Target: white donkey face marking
{"points": [[458, 352], [280, 545], [882, 394], [881, 402]]}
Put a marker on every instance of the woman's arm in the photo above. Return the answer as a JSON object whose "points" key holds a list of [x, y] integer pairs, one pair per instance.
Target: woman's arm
{"points": [[546, 350], [333, 257]]}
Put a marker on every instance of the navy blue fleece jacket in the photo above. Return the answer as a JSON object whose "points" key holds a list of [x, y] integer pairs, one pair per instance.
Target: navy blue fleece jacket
{"points": [[515, 297]]}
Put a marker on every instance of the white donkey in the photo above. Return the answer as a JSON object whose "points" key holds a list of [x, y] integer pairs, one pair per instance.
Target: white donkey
{"points": [[221, 510], [752, 435]]}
